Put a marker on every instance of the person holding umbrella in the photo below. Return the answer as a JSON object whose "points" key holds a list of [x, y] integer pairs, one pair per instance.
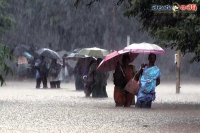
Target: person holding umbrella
{"points": [[55, 75], [41, 66], [150, 78], [46, 53], [78, 75], [118, 61], [67, 70], [98, 87], [149, 74], [88, 79], [122, 75], [37, 75]]}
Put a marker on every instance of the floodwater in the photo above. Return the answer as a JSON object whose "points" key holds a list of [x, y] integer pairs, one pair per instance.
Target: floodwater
{"points": [[26, 109]]}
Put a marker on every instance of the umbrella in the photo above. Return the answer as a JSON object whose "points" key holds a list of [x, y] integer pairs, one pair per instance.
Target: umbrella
{"points": [[76, 56], [62, 53], [28, 55], [20, 49], [48, 53], [145, 48], [76, 50], [97, 52], [109, 63], [83, 63], [73, 58]]}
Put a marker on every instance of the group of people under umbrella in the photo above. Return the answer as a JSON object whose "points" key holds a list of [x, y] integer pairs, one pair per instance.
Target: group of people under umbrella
{"points": [[92, 71], [127, 80], [46, 63], [87, 76]]}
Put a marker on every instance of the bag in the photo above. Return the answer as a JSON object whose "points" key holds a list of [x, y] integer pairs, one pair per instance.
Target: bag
{"points": [[55, 69], [119, 77], [133, 86], [54, 72]]}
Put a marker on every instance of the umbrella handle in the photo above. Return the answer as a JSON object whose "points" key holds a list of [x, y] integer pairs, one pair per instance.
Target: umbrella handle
{"points": [[122, 70]]}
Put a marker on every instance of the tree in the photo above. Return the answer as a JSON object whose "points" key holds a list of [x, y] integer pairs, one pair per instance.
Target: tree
{"points": [[179, 31], [175, 30], [5, 23]]}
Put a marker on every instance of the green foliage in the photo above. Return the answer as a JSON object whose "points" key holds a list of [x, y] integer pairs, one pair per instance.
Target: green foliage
{"points": [[196, 1], [4, 54], [175, 30], [5, 24]]}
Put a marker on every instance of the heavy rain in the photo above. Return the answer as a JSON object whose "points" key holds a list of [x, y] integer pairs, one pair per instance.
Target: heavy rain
{"points": [[60, 58]]}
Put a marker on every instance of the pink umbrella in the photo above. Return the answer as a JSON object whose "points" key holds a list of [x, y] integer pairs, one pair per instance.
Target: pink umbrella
{"points": [[110, 61], [145, 48]]}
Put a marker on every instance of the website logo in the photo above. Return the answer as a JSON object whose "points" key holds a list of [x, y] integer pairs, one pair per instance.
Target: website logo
{"points": [[175, 7]]}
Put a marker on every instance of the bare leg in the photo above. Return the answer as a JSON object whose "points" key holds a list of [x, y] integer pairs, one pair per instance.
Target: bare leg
{"points": [[119, 97], [129, 99]]}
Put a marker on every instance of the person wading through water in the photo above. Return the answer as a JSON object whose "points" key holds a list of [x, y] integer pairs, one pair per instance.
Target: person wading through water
{"points": [[123, 73], [150, 78], [98, 87]]}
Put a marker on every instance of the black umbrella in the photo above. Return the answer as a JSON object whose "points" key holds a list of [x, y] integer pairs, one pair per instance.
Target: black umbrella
{"points": [[48, 53], [84, 62], [20, 49]]}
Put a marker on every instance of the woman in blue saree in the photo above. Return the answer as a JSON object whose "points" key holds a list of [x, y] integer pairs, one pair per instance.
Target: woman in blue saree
{"points": [[150, 78]]}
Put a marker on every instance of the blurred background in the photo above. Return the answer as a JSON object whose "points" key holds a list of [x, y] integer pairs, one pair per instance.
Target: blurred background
{"points": [[58, 25]]}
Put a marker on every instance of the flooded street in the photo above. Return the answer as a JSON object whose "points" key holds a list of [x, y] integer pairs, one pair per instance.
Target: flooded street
{"points": [[85, 40], [25, 109]]}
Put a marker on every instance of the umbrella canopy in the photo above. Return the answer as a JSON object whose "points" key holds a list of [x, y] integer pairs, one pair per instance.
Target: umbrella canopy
{"points": [[75, 56], [48, 53], [76, 50], [145, 48], [28, 55], [109, 63], [63, 52], [97, 52], [83, 63], [20, 49]]}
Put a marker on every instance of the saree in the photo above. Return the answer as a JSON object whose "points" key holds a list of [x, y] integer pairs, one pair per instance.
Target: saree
{"points": [[98, 86], [148, 83], [123, 97]]}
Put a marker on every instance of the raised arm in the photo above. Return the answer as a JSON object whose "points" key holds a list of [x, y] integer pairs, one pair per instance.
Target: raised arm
{"points": [[139, 73]]}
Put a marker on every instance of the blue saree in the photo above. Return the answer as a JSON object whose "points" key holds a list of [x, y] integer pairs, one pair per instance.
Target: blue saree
{"points": [[148, 84]]}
